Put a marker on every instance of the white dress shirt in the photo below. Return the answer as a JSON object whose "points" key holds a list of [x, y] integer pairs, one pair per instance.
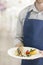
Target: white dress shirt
{"points": [[35, 14]]}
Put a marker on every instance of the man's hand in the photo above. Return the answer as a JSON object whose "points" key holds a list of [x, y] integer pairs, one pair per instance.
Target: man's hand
{"points": [[19, 45]]}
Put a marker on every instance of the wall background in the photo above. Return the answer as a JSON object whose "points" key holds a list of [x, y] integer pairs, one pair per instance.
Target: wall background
{"points": [[8, 21]]}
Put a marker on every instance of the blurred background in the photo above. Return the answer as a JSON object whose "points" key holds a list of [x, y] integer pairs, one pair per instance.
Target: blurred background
{"points": [[9, 11]]}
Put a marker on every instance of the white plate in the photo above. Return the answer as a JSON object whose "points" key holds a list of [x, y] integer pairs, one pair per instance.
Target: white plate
{"points": [[12, 51]]}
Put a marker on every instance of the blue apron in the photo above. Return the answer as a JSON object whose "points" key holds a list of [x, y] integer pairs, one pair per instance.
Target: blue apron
{"points": [[33, 37]]}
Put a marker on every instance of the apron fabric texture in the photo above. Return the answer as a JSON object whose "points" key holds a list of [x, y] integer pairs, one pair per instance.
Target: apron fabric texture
{"points": [[33, 37]]}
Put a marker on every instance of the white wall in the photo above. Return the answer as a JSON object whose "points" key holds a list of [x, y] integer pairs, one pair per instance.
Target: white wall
{"points": [[8, 20], [15, 6]]}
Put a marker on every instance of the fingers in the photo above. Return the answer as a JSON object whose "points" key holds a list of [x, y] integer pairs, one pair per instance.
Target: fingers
{"points": [[41, 52]]}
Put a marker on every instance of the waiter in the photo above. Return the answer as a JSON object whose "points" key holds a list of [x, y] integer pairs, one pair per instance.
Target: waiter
{"points": [[30, 30]]}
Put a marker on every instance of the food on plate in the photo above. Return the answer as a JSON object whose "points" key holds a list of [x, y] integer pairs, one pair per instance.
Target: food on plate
{"points": [[32, 52], [19, 51], [25, 53]]}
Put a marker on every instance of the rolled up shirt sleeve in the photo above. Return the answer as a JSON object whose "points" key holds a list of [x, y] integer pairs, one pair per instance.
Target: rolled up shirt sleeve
{"points": [[19, 31]]}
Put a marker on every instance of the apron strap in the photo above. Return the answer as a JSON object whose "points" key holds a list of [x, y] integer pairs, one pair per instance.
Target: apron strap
{"points": [[28, 14]]}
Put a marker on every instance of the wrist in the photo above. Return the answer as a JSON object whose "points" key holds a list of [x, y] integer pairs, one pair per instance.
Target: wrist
{"points": [[19, 45]]}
